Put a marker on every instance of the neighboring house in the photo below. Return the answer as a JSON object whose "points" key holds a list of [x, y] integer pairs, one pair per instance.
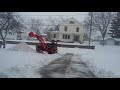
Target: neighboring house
{"points": [[97, 38], [12, 35], [117, 41], [19, 35], [111, 41], [69, 31], [43, 35]]}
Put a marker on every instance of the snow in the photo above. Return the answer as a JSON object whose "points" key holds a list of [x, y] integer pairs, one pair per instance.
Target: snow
{"points": [[22, 47], [106, 57], [19, 64], [27, 64], [24, 41], [117, 39]]}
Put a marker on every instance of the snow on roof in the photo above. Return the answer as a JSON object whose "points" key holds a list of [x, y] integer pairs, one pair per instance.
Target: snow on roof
{"points": [[20, 31], [54, 31], [117, 39], [71, 19], [106, 38], [43, 34]]}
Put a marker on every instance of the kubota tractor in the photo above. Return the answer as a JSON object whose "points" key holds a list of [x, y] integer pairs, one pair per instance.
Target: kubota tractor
{"points": [[51, 48]]}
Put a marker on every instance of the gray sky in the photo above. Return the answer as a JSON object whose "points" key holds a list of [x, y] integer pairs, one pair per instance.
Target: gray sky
{"points": [[80, 16]]}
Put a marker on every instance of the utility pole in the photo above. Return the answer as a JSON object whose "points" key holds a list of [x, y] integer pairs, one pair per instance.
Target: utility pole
{"points": [[91, 14]]}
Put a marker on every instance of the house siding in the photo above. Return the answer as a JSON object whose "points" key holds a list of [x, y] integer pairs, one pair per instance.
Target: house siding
{"points": [[66, 40], [52, 36], [117, 43]]}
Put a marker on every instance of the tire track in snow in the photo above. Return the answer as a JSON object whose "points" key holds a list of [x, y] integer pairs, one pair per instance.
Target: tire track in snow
{"points": [[66, 67]]}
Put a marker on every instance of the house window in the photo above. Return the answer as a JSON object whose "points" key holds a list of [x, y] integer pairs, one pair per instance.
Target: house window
{"points": [[68, 36], [71, 22], [54, 35], [65, 28], [63, 36], [77, 29], [10, 33]]}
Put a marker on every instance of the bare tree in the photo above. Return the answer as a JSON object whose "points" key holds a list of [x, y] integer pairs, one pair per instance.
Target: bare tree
{"points": [[101, 22], [36, 25], [55, 22], [86, 25], [8, 21]]}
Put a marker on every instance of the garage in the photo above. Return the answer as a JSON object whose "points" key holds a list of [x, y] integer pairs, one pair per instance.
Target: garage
{"points": [[110, 41]]}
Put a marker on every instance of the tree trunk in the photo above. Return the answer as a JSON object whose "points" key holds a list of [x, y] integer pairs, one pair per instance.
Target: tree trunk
{"points": [[4, 43], [103, 42], [3, 40], [0, 44]]}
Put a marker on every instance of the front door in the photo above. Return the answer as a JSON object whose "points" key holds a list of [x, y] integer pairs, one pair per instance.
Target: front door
{"points": [[76, 38]]}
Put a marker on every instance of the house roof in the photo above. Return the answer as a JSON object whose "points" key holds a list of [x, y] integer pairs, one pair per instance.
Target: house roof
{"points": [[71, 19], [20, 31], [43, 34], [53, 31], [109, 38], [117, 39]]}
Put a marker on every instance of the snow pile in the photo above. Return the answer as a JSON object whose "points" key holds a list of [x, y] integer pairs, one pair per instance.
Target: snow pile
{"points": [[22, 47]]}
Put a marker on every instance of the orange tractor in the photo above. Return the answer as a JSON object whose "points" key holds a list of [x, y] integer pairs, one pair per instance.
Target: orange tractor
{"points": [[51, 48]]}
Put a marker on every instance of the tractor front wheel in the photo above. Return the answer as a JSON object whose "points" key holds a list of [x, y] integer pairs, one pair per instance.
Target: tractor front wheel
{"points": [[38, 49]]}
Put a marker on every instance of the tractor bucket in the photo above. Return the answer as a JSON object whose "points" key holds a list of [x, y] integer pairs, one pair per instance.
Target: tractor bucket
{"points": [[31, 34]]}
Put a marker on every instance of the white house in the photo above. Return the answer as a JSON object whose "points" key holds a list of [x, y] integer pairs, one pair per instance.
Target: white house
{"points": [[69, 31], [12, 35]]}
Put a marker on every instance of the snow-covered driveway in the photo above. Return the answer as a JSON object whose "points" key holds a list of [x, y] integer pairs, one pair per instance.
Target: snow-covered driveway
{"points": [[67, 66]]}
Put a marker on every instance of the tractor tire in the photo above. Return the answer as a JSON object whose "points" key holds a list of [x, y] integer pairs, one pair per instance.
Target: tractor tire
{"points": [[38, 49], [50, 52], [56, 51]]}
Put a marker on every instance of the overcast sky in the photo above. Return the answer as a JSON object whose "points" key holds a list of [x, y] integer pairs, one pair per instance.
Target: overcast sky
{"points": [[78, 15]]}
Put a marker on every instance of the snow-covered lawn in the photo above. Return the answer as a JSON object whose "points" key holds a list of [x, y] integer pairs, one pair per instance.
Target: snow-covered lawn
{"points": [[77, 43], [20, 64], [27, 64], [107, 57]]}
